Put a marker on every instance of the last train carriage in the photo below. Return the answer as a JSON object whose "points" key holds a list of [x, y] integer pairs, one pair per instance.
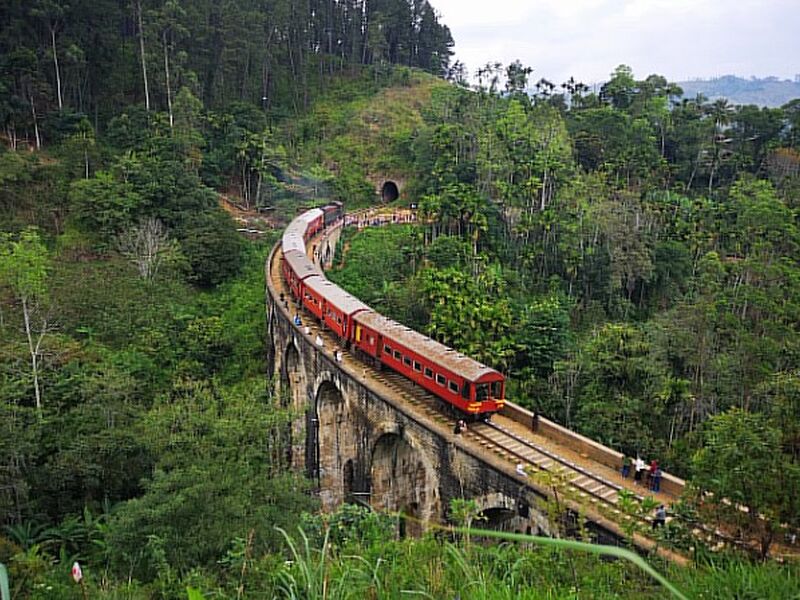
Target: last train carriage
{"points": [[464, 383]]}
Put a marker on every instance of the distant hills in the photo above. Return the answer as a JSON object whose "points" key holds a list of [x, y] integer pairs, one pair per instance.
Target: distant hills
{"points": [[769, 91]]}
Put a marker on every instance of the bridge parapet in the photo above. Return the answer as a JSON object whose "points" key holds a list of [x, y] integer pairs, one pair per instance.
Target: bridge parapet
{"points": [[377, 447], [670, 484]]}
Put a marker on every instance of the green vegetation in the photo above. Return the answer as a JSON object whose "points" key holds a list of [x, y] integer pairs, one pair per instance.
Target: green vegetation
{"points": [[629, 259]]}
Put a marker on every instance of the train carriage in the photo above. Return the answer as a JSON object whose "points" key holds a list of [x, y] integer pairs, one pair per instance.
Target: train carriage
{"points": [[459, 380], [297, 269], [465, 383], [313, 222], [338, 307], [332, 213]]}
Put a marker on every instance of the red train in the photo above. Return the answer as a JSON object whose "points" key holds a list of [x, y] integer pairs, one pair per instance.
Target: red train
{"points": [[471, 387]]}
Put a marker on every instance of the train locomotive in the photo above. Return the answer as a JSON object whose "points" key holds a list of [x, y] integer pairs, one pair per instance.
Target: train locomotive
{"points": [[463, 383]]}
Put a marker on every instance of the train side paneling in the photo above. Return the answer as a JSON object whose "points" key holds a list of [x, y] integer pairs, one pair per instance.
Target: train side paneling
{"points": [[313, 222], [446, 373], [338, 307]]}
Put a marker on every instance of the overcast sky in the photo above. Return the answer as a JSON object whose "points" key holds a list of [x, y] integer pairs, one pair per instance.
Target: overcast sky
{"points": [[679, 39]]}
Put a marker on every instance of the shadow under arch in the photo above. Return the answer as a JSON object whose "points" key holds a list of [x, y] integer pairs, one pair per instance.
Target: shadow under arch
{"points": [[290, 377], [399, 481], [325, 430]]}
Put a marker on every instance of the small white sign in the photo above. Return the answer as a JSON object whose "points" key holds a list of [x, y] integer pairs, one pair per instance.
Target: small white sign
{"points": [[77, 574]]}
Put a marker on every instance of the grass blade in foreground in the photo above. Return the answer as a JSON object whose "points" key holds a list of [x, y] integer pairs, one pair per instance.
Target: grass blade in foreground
{"points": [[575, 545]]}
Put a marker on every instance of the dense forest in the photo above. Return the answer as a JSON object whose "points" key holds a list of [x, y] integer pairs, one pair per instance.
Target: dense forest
{"points": [[627, 258]]}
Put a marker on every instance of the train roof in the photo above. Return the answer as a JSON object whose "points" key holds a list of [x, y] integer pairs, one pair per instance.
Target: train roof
{"points": [[310, 215], [429, 349], [293, 241], [301, 264], [336, 296]]}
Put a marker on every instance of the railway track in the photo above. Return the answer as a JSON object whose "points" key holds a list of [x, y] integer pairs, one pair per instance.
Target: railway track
{"points": [[497, 438], [500, 439]]}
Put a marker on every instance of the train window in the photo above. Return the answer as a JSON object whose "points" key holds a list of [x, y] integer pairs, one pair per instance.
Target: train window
{"points": [[497, 389], [387, 350], [428, 373], [465, 390], [417, 366], [371, 340], [406, 361], [482, 392], [441, 379], [397, 355], [453, 387]]}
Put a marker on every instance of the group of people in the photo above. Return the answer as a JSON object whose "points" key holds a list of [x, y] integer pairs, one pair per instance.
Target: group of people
{"points": [[375, 220], [639, 468], [318, 341]]}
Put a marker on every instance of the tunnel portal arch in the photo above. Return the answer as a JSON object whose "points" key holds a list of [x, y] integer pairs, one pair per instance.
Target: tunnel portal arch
{"points": [[389, 191]]}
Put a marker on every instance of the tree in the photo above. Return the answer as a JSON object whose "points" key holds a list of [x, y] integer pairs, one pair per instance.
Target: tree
{"points": [[149, 247], [751, 480], [23, 268], [104, 206]]}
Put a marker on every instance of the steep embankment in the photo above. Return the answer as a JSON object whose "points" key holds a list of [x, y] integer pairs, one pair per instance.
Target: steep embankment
{"points": [[368, 138]]}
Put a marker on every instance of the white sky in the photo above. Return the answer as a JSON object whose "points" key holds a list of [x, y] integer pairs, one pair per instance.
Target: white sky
{"points": [[679, 39]]}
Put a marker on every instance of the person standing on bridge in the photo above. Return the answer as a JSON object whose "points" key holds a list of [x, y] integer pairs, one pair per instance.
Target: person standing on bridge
{"points": [[626, 466], [661, 517], [639, 467], [655, 479], [318, 341]]}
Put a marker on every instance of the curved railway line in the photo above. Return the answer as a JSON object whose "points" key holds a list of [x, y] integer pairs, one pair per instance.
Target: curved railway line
{"points": [[591, 484]]}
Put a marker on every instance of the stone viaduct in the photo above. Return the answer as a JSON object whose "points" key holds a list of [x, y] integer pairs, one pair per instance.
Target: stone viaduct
{"points": [[360, 442]]}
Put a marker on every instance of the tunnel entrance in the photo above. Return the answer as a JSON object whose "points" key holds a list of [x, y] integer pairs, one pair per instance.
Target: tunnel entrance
{"points": [[389, 191]]}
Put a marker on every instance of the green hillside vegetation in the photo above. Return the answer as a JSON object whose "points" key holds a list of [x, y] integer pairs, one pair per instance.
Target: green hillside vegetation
{"points": [[628, 259], [628, 266]]}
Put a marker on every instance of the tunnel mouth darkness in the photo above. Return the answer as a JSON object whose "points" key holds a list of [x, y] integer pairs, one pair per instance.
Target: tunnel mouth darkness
{"points": [[389, 191]]}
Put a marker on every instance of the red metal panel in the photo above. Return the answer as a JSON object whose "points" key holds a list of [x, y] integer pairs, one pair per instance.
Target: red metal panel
{"points": [[366, 339], [312, 301], [426, 366]]}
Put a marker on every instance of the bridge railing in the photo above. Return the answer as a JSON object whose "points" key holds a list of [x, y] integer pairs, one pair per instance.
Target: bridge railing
{"points": [[670, 484]]}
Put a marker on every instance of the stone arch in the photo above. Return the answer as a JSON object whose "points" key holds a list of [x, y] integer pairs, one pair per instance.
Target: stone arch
{"points": [[291, 377], [335, 442], [389, 191], [501, 512], [401, 482]]}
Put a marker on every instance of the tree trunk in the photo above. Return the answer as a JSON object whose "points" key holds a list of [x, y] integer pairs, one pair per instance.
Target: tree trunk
{"points": [[142, 56], [33, 349], [58, 71], [36, 125], [166, 73]]}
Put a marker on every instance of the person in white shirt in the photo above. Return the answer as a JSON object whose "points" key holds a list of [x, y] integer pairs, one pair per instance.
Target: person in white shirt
{"points": [[639, 467], [318, 341]]}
